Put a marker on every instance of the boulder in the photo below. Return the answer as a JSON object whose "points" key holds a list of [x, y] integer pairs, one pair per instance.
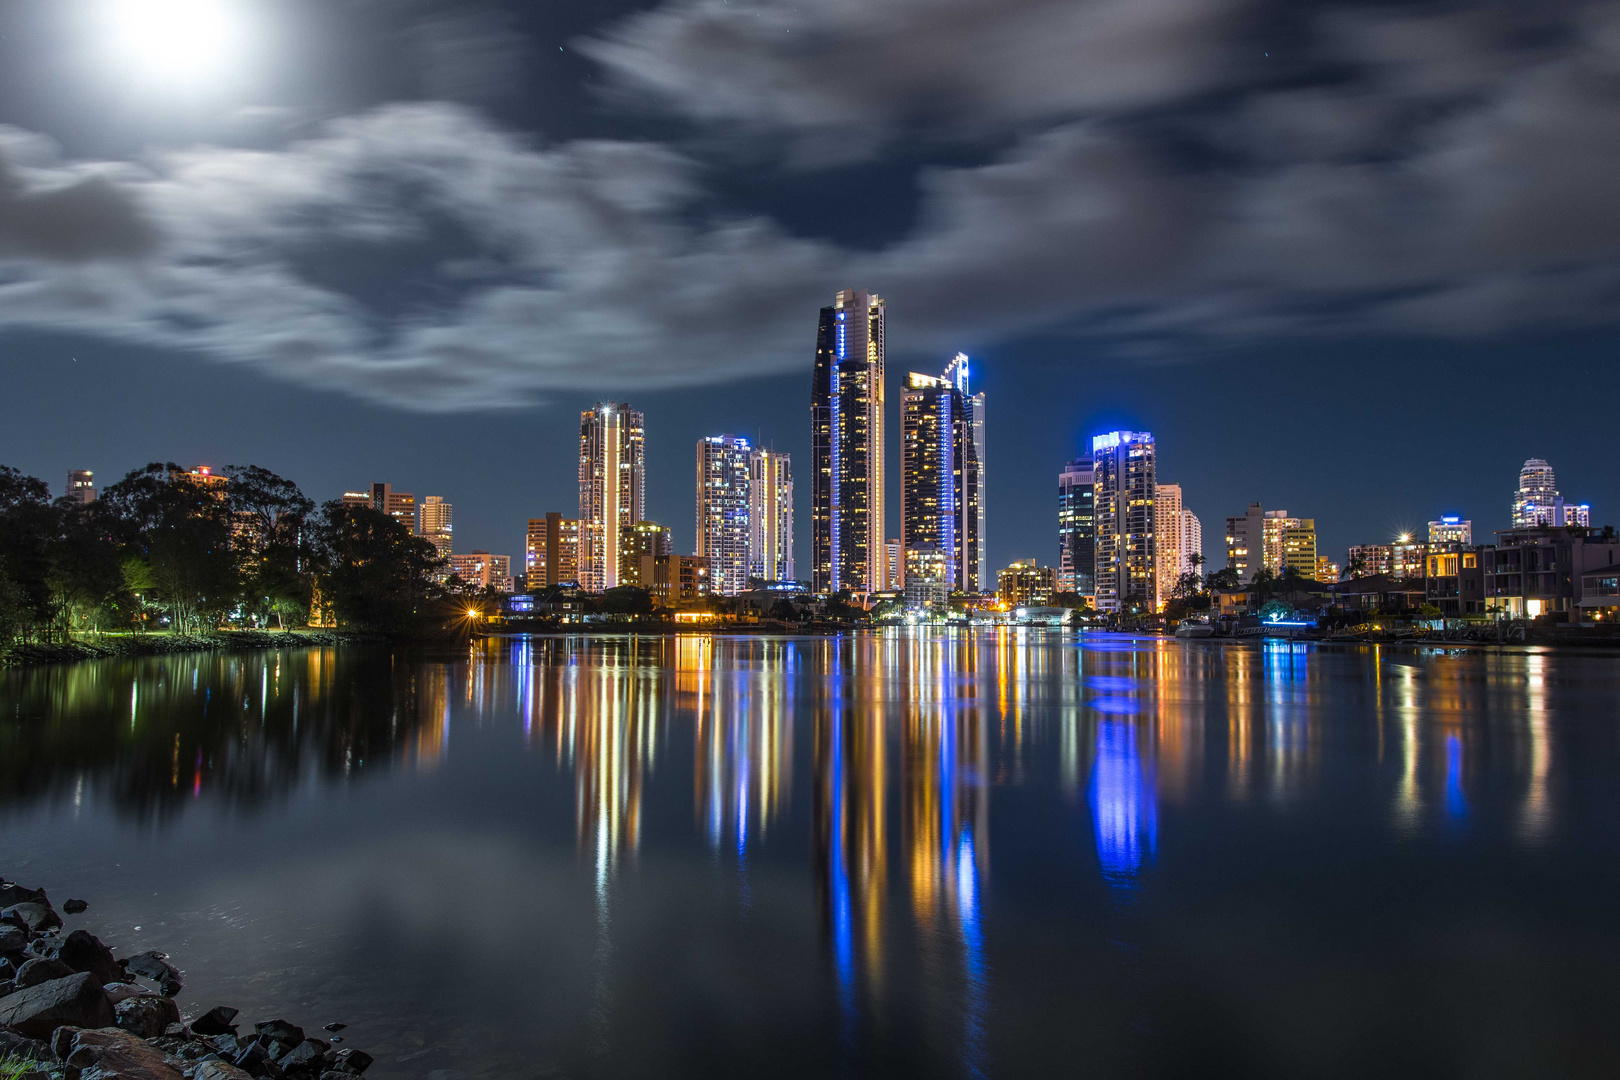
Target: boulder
{"points": [[216, 1021], [41, 970], [12, 893], [13, 1045], [123, 991], [7, 987], [13, 939], [218, 1070], [279, 1031], [111, 1054], [83, 951], [352, 1061], [147, 1016], [75, 907], [155, 966], [78, 1000], [35, 916], [306, 1055]]}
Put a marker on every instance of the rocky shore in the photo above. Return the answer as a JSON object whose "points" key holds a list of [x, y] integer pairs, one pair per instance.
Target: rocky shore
{"points": [[70, 1010], [163, 644]]}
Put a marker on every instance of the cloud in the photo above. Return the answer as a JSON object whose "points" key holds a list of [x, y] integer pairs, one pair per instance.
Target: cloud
{"points": [[1454, 176], [469, 55]]}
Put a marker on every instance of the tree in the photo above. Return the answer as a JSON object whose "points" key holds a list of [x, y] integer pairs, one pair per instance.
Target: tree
{"points": [[1357, 567], [181, 528], [372, 572], [28, 526], [1224, 578], [1188, 585], [269, 526], [1262, 582], [83, 570]]}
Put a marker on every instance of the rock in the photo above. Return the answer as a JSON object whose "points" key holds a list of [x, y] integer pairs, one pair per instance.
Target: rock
{"points": [[122, 991], [216, 1021], [353, 1061], [218, 1070], [75, 907], [252, 1058], [13, 1045], [13, 939], [12, 893], [280, 1031], [78, 1000], [156, 967], [32, 915], [83, 951], [335, 1027], [41, 970], [111, 1054], [306, 1054], [7, 987], [147, 1016]]}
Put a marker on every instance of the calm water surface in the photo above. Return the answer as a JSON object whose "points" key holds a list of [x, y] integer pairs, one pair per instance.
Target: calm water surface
{"points": [[1002, 854]]}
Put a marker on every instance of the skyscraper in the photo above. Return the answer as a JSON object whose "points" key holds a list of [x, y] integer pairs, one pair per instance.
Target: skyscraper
{"points": [[399, 505], [1538, 491], [81, 486], [847, 446], [1077, 528], [433, 524], [644, 543], [551, 554], [1167, 541], [723, 532], [942, 485], [1125, 482], [770, 515], [612, 489]]}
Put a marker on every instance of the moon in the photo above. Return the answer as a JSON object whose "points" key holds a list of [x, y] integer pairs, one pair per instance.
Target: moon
{"points": [[190, 43]]}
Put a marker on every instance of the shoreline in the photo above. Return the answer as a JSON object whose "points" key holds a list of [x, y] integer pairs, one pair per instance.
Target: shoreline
{"points": [[140, 645], [68, 1005]]}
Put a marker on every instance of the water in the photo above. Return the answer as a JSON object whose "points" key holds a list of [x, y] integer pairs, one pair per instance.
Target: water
{"points": [[941, 855]]}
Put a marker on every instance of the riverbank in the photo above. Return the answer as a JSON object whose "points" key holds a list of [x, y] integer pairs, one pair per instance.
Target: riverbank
{"points": [[68, 1008], [109, 646]]}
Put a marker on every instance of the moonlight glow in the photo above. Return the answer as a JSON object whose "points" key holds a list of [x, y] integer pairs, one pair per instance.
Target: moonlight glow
{"points": [[184, 42]]}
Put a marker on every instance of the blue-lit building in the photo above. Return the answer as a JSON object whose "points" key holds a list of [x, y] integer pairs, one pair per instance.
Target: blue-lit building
{"points": [[942, 474], [1125, 487], [847, 446], [1077, 529]]}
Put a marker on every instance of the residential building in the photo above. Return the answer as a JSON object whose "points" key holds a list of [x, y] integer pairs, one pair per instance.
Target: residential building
{"points": [[1571, 514], [1326, 569], [770, 516], [399, 505], [679, 579], [434, 524], [1451, 529], [644, 542], [612, 489], [1298, 548], [723, 532], [1453, 580], [1077, 528], [1536, 494], [847, 446], [1192, 537], [551, 555], [1370, 560], [1125, 484], [928, 577], [1407, 557], [941, 484], [356, 498], [482, 570], [1542, 570], [1245, 543], [1178, 538], [894, 574], [81, 486], [1024, 584]]}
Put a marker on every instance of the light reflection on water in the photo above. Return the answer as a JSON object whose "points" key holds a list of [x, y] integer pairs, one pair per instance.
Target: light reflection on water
{"points": [[1126, 777]]}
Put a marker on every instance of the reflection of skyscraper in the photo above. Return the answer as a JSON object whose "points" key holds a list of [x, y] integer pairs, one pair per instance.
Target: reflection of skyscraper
{"points": [[612, 489], [744, 759], [1077, 528], [1124, 480], [847, 446], [770, 516], [942, 435], [723, 530], [1123, 803]]}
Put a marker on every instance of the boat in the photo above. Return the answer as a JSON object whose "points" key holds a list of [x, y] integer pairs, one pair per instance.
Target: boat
{"points": [[1194, 627]]}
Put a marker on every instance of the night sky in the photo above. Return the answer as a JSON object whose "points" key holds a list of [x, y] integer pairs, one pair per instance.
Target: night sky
{"points": [[1355, 261]]}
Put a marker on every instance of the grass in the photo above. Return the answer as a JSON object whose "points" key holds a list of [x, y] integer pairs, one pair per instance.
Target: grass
{"points": [[13, 1067]]}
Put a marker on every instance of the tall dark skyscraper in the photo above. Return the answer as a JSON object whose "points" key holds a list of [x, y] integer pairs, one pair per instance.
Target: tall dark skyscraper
{"points": [[1077, 529], [942, 477], [846, 446]]}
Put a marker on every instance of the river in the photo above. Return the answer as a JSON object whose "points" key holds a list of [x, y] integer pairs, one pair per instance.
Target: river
{"points": [[956, 854]]}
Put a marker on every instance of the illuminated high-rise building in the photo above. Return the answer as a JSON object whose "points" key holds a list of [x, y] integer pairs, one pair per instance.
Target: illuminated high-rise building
{"points": [[723, 532], [482, 570], [399, 505], [81, 486], [644, 543], [894, 574], [1451, 529], [433, 524], [942, 484], [1538, 491], [551, 553], [847, 446], [1077, 528], [1298, 548], [612, 489], [1172, 558], [770, 515], [1125, 484]]}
